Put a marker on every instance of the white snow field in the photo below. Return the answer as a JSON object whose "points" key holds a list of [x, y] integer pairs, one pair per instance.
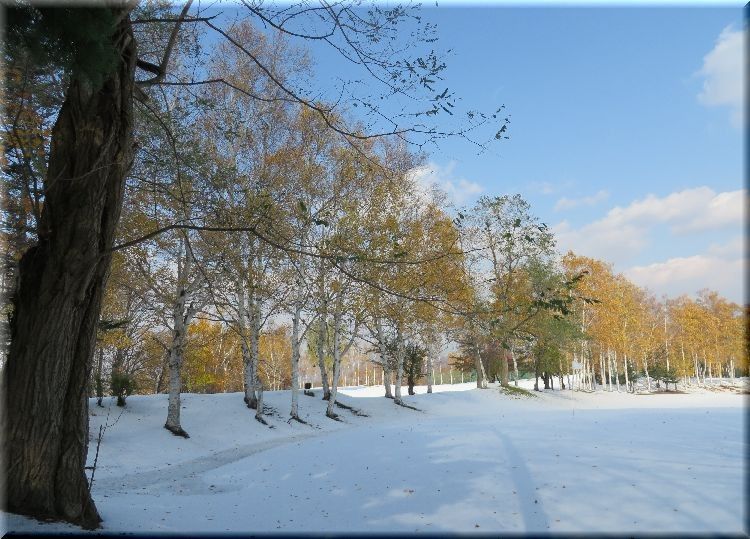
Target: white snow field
{"points": [[469, 460]]}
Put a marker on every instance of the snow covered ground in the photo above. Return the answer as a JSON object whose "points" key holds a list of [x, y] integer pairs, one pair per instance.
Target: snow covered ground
{"points": [[469, 460]]}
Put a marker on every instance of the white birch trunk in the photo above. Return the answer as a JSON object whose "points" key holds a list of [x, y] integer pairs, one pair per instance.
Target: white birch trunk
{"points": [[175, 370], [386, 375], [431, 346], [254, 351], [182, 315], [627, 378], [697, 372], [336, 360], [322, 338], [259, 402], [614, 365], [295, 357], [244, 341], [399, 363]]}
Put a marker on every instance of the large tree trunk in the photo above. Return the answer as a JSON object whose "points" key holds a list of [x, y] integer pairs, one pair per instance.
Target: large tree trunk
{"points": [[58, 297]]}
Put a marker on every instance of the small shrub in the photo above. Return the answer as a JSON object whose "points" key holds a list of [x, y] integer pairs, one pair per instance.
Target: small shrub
{"points": [[122, 385]]}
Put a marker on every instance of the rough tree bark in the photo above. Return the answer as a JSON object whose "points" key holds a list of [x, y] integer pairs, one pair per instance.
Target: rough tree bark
{"points": [[58, 297]]}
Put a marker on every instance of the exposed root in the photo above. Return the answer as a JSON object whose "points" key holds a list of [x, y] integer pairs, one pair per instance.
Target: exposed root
{"points": [[308, 393], [259, 419], [177, 431]]}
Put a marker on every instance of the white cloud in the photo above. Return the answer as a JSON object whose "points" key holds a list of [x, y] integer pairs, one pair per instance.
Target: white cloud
{"points": [[723, 74], [723, 209], [601, 239], [459, 190], [566, 203], [687, 275], [690, 210], [730, 249], [625, 231]]}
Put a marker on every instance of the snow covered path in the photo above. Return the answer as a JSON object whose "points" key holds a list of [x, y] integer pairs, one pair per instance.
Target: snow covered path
{"points": [[469, 461]]}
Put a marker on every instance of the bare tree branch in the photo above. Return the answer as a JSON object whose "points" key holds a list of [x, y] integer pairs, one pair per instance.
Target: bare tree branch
{"points": [[161, 70]]}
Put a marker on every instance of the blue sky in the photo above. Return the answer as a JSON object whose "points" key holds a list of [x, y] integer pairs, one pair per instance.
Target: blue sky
{"points": [[626, 130], [606, 109]]}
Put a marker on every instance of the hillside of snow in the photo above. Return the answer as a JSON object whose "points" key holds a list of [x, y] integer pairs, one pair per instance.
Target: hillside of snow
{"points": [[466, 460]]}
